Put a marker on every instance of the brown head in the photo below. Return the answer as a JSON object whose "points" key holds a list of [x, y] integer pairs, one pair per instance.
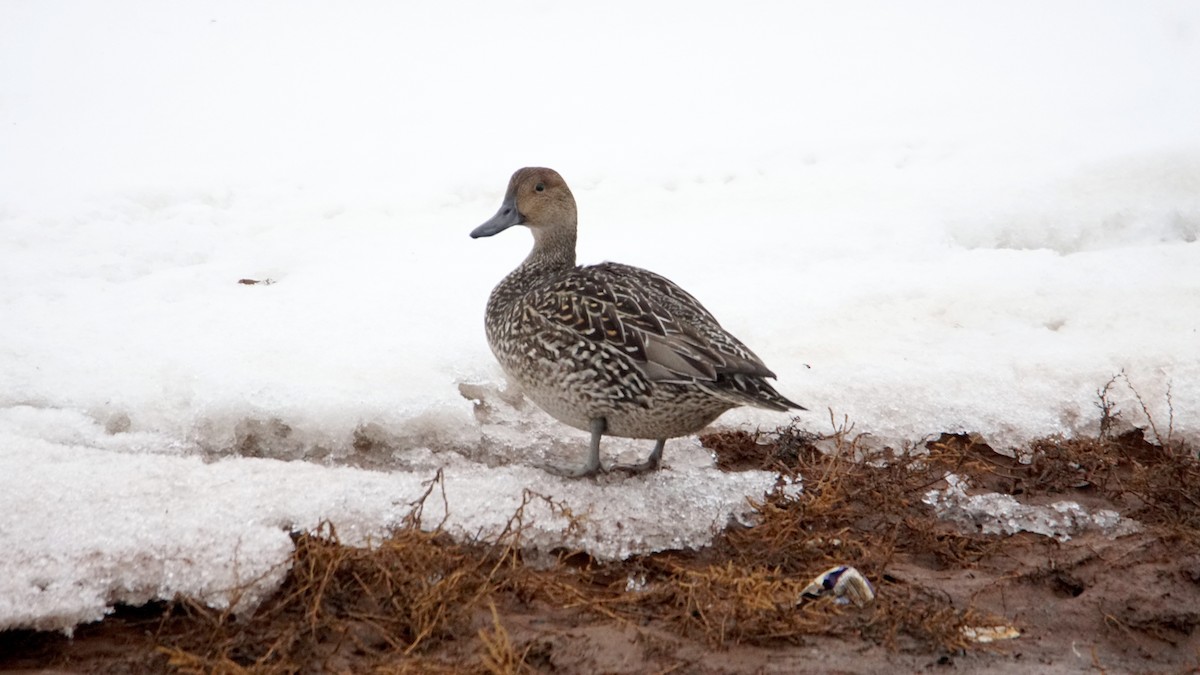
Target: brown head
{"points": [[539, 199]]}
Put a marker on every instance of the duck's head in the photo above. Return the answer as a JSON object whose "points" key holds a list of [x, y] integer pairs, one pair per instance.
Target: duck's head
{"points": [[537, 198]]}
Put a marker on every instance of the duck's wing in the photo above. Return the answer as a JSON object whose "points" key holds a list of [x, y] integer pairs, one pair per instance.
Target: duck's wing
{"points": [[660, 328]]}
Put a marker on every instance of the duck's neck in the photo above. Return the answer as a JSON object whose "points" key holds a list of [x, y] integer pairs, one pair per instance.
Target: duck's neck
{"points": [[553, 253], [553, 246]]}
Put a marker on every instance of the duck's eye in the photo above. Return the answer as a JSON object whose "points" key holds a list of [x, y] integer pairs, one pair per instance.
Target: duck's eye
{"points": [[539, 187]]}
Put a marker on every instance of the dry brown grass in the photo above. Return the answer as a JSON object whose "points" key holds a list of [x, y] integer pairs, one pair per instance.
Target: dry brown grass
{"points": [[499, 656], [396, 604], [419, 601]]}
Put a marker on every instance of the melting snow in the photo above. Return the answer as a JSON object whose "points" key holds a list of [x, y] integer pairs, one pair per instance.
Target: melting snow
{"points": [[994, 513], [928, 218]]}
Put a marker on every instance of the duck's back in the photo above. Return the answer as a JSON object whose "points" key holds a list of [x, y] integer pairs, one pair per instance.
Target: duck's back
{"points": [[619, 341]]}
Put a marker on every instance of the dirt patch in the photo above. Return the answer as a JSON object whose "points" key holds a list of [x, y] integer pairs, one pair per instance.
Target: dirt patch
{"points": [[421, 602]]}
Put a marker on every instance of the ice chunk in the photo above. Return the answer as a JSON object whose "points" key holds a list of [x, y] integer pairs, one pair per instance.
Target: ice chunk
{"points": [[994, 513]]}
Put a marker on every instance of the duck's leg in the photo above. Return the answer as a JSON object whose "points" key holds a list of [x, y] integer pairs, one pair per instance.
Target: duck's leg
{"points": [[592, 467], [651, 464]]}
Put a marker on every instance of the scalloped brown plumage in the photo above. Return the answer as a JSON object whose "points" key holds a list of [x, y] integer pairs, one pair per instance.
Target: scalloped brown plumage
{"points": [[610, 348]]}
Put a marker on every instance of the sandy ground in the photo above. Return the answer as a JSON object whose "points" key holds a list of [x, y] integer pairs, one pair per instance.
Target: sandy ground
{"points": [[421, 603]]}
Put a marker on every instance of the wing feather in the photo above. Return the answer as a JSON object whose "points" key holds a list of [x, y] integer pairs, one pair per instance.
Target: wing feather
{"points": [[663, 330]]}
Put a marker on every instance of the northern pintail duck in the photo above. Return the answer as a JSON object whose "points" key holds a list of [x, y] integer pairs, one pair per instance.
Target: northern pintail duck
{"points": [[609, 348]]}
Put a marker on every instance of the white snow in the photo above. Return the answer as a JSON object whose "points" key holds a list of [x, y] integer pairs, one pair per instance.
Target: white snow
{"points": [[927, 217], [994, 513]]}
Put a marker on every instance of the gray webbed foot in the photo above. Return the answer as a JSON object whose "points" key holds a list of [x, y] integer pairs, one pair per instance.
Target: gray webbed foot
{"points": [[652, 463], [588, 471], [592, 467]]}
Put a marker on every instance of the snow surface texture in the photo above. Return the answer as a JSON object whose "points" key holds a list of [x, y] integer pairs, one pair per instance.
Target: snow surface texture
{"points": [[994, 513], [930, 217]]}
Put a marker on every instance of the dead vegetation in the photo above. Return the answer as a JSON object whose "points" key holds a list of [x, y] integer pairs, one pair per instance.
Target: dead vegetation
{"points": [[422, 602]]}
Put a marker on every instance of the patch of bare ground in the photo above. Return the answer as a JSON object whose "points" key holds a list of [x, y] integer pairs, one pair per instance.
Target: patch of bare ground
{"points": [[420, 602]]}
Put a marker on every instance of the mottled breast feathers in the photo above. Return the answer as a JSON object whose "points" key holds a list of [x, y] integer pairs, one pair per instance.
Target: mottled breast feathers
{"points": [[662, 329]]}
